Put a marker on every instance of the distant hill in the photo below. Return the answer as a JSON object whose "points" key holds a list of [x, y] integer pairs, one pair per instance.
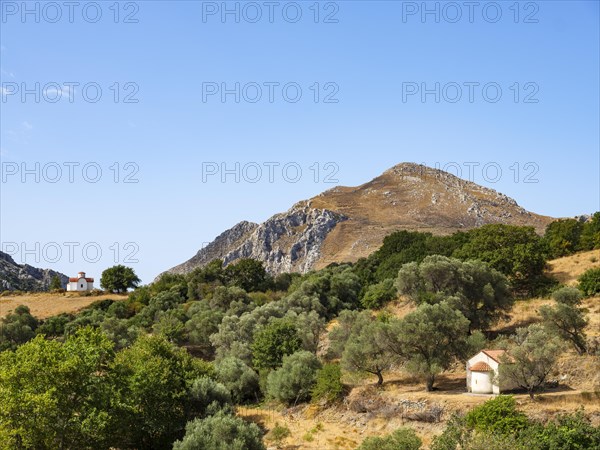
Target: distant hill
{"points": [[17, 277], [346, 223]]}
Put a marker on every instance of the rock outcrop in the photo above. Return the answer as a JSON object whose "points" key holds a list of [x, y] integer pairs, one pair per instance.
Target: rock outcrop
{"points": [[17, 277], [346, 223]]}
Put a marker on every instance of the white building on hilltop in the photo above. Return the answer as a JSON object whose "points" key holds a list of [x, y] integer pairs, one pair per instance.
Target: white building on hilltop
{"points": [[483, 373], [80, 283]]}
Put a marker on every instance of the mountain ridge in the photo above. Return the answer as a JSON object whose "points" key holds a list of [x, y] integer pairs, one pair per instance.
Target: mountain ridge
{"points": [[23, 277], [345, 223]]}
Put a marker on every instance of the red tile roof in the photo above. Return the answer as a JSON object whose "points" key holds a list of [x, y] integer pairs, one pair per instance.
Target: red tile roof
{"points": [[494, 354], [89, 280], [480, 367]]}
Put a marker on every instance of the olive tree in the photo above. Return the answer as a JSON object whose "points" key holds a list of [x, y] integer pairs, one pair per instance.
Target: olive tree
{"points": [[531, 356], [221, 432], [429, 340], [366, 351], [567, 319], [479, 292], [293, 381]]}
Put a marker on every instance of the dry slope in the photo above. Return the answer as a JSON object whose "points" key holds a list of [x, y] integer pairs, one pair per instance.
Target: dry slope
{"points": [[346, 223]]}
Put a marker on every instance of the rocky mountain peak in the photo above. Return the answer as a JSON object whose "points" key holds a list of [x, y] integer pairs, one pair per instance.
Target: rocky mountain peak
{"points": [[346, 223]]}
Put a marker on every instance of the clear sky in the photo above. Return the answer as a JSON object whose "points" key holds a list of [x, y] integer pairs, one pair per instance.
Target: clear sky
{"points": [[506, 86]]}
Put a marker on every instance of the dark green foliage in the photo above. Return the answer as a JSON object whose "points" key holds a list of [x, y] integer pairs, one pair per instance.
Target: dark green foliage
{"points": [[274, 341], [161, 302], [533, 353], [517, 252], [120, 310], [155, 380], [203, 280], [326, 292], [567, 431], [403, 247], [328, 385], [498, 415], [17, 328], [119, 279], [202, 322], [120, 332], [567, 319], [238, 378], [472, 287], [57, 395], [221, 432], [283, 281], [225, 298], [55, 284], [590, 236], [429, 340], [55, 326], [209, 397], [170, 282], [455, 435], [563, 236], [589, 282], [401, 439], [170, 324], [377, 295], [348, 322], [249, 275], [502, 427], [367, 350], [293, 381]]}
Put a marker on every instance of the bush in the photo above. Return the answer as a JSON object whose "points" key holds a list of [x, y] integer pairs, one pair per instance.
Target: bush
{"points": [[278, 434], [567, 431], [54, 326], [402, 438], [566, 319], [379, 294], [221, 432], [238, 378], [589, 282], [498, 415], [328, 385], [17, 328], [294, 380], [209, 397], [273, 342]]}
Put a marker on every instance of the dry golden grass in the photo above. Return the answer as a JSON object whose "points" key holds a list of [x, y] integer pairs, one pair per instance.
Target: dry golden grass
{"points": [[569, 268], [44, 304], [402, 200], [343, 428]]}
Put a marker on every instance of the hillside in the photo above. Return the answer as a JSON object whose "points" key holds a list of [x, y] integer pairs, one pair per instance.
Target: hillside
{"points": [[46, 304], [371, 411], [17, 277], [346, 223]]}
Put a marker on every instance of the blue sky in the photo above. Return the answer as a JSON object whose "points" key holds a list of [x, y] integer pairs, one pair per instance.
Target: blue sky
{"points": [[542, 132]]}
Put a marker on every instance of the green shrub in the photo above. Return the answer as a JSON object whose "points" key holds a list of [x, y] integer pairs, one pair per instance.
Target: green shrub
{"points": [[328, 386], [401, 439], [498, 415], [220, 432], [589, 282], [294, 380], [238, 378], [567, 431], [278, 434], [209, 397], [271, 343], [379, 294], [17, 328]]}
